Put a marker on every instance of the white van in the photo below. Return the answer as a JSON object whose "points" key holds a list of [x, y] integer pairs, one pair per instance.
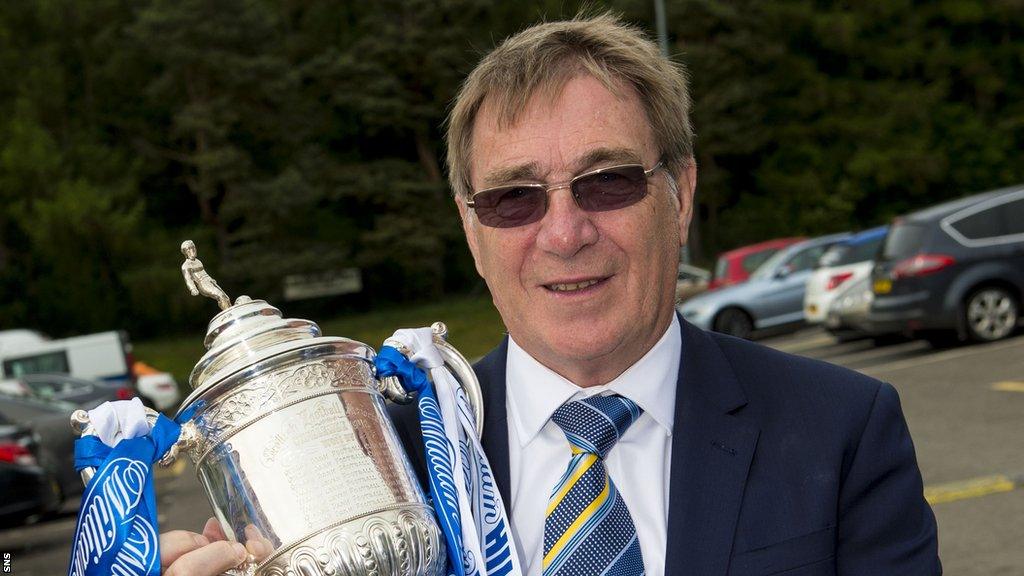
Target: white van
{"points": [[101, 356]]}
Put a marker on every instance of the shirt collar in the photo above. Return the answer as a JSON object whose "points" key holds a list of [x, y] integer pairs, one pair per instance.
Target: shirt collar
{"points": [[534, 391]]}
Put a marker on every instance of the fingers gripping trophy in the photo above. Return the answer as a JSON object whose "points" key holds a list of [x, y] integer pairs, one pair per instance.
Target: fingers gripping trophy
{"points": [[290, 440]]}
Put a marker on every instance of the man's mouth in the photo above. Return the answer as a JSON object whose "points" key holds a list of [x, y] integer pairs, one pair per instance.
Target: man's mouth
{"points": [[573, 286]]}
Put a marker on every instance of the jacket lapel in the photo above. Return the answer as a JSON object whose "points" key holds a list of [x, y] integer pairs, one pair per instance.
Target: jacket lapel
{"points": [[712, 447], [490, 370]]}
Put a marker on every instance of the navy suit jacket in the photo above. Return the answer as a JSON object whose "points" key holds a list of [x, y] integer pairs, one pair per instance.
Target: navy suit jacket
{"points": [[781, 465]]}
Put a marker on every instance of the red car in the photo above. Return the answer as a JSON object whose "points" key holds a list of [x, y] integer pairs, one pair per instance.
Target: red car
{"points": [[736, 266]]}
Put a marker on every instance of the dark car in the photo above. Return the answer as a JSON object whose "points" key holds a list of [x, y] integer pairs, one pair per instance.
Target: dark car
{"points": [[955, 270], [28, 487], [50, 420], [86, 394]]}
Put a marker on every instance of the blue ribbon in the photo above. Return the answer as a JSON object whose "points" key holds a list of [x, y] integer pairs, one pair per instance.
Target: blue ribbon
{"points": [[117, 532], [440, 453]]}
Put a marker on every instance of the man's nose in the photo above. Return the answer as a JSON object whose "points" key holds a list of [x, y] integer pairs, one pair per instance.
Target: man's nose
{"points": [[566, 228]]}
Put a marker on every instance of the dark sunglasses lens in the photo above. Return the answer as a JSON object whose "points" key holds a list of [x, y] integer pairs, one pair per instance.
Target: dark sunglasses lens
{"points": [[612, 189], [510, 207]]}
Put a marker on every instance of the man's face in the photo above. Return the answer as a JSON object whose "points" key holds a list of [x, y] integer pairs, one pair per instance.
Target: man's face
{"points": [[585, 293]]}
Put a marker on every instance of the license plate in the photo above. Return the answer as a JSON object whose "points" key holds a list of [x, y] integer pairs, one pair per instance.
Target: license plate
{"points": [[883, 286]]}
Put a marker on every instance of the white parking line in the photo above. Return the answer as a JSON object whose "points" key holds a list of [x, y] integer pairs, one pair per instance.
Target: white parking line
{"points": [[943, 356], [802, 345], [875, 352]]}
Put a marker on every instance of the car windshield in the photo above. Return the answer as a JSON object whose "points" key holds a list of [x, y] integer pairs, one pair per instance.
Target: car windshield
{"points": [[754, 261], [721, 268], [765, 269], [902, 240]]}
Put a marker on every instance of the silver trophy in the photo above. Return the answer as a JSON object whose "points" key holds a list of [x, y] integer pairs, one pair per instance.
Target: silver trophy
{"points": [[292, 444]]}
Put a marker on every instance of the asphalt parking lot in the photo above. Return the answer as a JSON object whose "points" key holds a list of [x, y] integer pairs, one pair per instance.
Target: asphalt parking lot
{"points": [[965, 407]]}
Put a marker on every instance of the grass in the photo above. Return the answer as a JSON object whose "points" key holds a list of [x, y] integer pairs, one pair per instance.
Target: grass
{"points": [[474, 327]]}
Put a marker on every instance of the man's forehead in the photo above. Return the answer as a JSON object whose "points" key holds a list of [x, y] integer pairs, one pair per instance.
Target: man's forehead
{"points": [[585, 124]]}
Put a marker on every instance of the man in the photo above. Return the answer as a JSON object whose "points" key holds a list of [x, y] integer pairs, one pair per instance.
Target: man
{"points": [[570, 152]]}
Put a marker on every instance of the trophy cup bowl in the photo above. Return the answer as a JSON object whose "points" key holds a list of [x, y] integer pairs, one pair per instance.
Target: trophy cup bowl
{"points": [[291, 441]]}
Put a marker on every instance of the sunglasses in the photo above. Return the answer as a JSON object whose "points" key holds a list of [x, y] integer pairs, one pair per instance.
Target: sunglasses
{"points": [[596, 191]]}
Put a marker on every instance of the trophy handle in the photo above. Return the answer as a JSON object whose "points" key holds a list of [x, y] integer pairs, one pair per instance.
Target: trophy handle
{"points": [[188, 438], [392, 389]]}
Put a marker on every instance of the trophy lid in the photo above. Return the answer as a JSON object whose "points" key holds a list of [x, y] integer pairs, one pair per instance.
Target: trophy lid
{"points": [[247, 332]]}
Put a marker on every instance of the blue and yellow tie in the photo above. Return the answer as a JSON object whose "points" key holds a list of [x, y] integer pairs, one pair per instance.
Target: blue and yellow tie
{"points": [[588, 530]]}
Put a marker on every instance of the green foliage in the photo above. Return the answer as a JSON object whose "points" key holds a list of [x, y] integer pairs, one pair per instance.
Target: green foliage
{"points": [[306, 136], [474, 327]]}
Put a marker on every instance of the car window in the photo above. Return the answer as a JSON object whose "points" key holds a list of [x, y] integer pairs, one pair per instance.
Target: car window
{"points": [[45, 388], [48, 362], [834, 255], [768, 267], [903, 239], [980, 225], [805, 259], [1013, 217], [862, 252], [755, 260]]}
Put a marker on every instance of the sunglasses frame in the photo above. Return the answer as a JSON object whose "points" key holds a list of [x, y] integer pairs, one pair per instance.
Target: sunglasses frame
{"points": [[547, 188]]}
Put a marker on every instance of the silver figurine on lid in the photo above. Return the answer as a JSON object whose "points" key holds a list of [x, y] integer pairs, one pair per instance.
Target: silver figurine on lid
{"points": [[292, 444]]}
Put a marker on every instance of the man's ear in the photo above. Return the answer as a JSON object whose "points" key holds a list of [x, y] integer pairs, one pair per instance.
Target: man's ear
{"points": [[686, 186], [469, 229]]}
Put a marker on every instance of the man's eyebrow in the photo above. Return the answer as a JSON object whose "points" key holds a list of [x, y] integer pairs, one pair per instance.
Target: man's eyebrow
{"points": [[520, 173], [530, 172], [609, 156]]}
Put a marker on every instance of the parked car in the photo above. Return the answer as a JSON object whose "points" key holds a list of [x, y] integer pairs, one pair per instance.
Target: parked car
{"points": [[50, 420], [953, 270], [773, 298], [691, 281], [844, 263], [736, 266], [86, 394], [847, 313], [28, 487], [157, 388]]}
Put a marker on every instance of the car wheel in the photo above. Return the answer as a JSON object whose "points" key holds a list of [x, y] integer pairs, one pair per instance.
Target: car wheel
{"points": [[990, 314], [734, 322]]}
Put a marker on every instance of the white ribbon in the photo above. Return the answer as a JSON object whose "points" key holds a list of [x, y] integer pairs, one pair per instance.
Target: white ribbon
{"points": [[489, 548], [122, 419]]}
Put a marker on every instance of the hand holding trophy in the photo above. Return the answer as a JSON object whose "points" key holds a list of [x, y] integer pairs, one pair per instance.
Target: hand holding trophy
{"points": [[290, 439]]}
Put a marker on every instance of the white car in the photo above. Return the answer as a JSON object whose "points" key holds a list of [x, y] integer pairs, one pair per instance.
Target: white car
{"points": [[842, 265], [160, 388]]}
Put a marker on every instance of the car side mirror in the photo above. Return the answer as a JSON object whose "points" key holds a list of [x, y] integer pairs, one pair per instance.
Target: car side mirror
{"points": [[783, 271]]}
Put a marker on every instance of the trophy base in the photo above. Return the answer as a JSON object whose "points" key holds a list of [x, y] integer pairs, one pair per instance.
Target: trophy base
{"points": [[402, 541]]}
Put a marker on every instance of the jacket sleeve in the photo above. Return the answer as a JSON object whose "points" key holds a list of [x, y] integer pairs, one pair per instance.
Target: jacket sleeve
{"points": [[885, 524]]}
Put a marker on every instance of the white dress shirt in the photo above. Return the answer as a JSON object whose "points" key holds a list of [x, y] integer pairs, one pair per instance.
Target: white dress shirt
{"points": [[639, 463]]}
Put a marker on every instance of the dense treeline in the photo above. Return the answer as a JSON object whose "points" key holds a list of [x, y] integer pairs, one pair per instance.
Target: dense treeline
{"points": [[305, 135]]}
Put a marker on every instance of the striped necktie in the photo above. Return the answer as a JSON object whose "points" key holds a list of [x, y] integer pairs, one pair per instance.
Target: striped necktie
{"points": [[588, 530]]}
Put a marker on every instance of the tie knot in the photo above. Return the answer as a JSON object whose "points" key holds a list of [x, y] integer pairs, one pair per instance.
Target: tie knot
{"points": [[595, 424]]}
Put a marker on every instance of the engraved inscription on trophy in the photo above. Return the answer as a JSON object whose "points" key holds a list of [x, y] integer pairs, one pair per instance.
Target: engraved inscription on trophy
{"points": [[317, 441]]}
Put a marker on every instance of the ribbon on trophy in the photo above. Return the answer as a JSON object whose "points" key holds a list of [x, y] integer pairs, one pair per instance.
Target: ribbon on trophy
{"points": [[117, 532], [469, 507]]}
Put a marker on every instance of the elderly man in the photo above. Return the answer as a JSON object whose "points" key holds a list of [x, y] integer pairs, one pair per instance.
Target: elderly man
{"points": [[624, 440]]}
